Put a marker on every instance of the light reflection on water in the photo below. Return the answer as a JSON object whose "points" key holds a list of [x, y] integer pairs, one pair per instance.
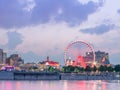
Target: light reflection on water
{"points": [[60, 85]]}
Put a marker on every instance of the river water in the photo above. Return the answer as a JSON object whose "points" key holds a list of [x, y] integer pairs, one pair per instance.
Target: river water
{"points": [[60, 85]]}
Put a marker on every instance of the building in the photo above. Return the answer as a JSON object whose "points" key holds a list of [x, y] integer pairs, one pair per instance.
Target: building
{"points": [[69, 62], [14, 60], [102, 57], [48, 63], [3, 56]]}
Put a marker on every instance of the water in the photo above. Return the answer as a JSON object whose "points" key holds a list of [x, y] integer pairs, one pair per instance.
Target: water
{"points": [[60, 85]]}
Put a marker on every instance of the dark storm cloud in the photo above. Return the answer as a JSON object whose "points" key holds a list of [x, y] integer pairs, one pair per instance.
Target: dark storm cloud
{"points": [[14, 39], [73, 12], [98, 30]]}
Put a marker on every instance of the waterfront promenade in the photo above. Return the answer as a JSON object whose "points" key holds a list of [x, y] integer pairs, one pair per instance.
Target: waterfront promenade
{"points": [[58, 76]]}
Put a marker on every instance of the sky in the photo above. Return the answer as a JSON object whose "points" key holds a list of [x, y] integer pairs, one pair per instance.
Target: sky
{"points": [[39, 28]]}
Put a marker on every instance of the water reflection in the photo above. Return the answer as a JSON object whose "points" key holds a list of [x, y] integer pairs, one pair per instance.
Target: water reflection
{"points": [[60, 85]]}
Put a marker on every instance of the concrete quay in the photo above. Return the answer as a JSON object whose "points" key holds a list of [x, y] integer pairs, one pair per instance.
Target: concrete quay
{"points": [[86, 76], [29, 75], [57, 76], [36, 76]]}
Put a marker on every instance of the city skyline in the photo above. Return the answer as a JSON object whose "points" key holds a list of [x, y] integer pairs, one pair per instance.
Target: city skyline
{"points": [[39, 28]]}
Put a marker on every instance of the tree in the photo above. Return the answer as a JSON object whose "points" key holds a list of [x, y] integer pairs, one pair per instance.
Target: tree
{"points": [[94, 68], [70, 69], [33, 68], [76, 69], [117, 68], [88, 69], [110, 69], [102, 68], [51, 69]]}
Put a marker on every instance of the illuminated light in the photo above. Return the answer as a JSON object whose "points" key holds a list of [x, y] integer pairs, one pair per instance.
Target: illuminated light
{"points": [[47, 63], [82, 49], [94, 63], [9, 85], [80, 61]]}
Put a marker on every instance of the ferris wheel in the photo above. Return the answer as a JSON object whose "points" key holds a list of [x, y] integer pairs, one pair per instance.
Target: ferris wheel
{"points": [[79, 53]]}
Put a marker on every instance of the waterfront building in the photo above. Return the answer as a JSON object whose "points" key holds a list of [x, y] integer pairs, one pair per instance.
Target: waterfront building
{"points": [[102, 57], [3, 56], [29, 67], [14, 60], [47, 63], [69, 62], [8, 68]]}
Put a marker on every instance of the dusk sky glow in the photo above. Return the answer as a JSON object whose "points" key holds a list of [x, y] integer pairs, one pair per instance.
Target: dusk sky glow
{"points": [[39, 28]]}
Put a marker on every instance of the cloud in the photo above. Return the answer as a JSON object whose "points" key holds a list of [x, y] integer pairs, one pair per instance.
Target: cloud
{"points": [[28, 5], [11, 14], [14, 39], [95, 1], [73, 12], [20, 13], [98, 29], [3, 37], [43, 27], [118, 11], [50, 39], [47, 38]]}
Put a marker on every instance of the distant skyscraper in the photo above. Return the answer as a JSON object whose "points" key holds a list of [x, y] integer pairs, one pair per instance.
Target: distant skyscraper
{"points": [[102, 57], [3, 56]]}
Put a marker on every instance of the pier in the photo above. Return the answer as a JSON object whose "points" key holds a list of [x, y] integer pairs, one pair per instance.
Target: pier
{"points": [[57, 76]]}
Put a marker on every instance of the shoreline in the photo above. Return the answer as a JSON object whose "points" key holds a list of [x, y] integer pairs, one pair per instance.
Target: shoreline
{"points": [[58, 76]]}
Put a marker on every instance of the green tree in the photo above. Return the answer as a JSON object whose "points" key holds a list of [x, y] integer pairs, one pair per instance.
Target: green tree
{"points": [[51, 69], [76, 69], [103, 68], [70, 69], [63, 69], [81, 69], [110, 69], [88, 69], [33, 68], [117, 68], [94, 68]]}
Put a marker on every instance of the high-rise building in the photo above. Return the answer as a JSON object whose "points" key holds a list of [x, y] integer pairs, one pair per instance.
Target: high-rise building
{"points": [[3, 56], [14, 60], [102, 57]]}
